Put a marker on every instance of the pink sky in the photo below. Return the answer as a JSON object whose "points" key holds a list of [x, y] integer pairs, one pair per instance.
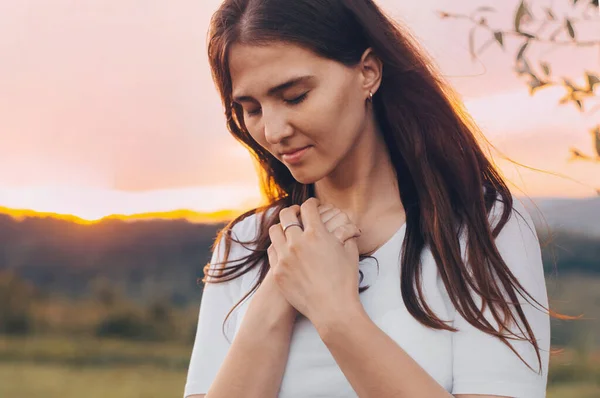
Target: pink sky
{"points": [[108, 106]]}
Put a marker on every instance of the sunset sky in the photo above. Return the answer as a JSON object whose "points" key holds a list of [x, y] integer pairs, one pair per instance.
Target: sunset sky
{"points": [[108, 106]]}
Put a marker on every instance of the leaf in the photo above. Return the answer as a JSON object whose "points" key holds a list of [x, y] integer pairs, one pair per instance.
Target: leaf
{"points": [[545, 68], [520, 69], [527, 35], [569, 84], [524, 69], [535, 84], [570, 29], [527, 68], [596, 138], [579, 104], [592, 80], [522, 50], [499, 38], [575, 2], [575, 154], [565, 99], [550, 14], [522, 11], [594, 3]]}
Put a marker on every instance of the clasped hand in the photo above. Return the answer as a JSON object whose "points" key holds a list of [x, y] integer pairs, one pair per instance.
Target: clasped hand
{"points": [[316, 266]]}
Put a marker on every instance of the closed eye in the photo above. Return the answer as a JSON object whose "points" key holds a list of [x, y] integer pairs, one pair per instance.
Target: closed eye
{"points": [[297, 100], [294, 101]]}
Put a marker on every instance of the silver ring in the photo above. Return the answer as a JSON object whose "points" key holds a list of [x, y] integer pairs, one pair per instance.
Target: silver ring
{"points": [[294, 224]]}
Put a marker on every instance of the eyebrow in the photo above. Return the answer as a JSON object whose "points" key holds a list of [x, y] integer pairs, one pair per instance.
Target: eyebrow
{"points": [[277, 89]]}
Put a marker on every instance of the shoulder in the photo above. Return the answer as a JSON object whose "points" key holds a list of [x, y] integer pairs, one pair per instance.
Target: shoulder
{"points": [[519, 225], [519, 222], [244, 232], [516, 241], [518, 245], [246, 229], [249, 228]]}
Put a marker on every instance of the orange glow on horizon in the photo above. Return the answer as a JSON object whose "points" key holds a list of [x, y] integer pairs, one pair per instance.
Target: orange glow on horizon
{"points": [[189, 215]]}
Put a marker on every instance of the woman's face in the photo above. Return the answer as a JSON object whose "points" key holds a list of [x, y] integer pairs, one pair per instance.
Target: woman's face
{"points": [[295, 100]]}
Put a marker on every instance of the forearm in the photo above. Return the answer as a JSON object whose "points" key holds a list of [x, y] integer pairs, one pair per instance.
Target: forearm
{"points": [[256, 360], [372, 362]]}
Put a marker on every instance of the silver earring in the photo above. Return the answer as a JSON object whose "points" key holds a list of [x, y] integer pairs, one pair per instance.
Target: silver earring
{"points": [[370, 96]]}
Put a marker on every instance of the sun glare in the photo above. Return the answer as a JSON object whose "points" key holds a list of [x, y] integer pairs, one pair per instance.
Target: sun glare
{"points": [[78, 204]]}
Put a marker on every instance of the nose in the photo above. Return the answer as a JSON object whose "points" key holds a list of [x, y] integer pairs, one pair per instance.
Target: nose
{"points": [[276, 127]]}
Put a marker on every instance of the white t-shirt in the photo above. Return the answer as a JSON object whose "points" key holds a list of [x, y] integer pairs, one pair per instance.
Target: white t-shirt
{"points": [[465, 362]]}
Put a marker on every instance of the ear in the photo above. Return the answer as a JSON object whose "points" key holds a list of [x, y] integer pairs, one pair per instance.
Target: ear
{"points": [[371, 69]]}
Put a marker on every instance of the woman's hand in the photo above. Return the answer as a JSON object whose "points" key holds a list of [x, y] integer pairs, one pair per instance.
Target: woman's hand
{"points": [[336, 222], [316, 268]]}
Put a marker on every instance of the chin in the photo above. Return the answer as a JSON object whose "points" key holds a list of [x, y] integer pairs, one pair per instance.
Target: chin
{"points": [[306, 177]]}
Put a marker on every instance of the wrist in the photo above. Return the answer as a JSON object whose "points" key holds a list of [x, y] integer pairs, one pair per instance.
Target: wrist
{"points": [[271, 313], [331, 322], [260, 328]]}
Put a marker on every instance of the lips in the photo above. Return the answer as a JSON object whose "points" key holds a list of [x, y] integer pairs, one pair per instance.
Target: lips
{"points": [[295, 156], [292, 151]]}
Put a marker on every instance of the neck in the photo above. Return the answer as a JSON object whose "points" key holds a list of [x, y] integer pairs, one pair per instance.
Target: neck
{"points": [[364, 184]]}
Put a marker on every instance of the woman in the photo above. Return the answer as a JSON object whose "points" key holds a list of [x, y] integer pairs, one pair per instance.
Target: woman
{"points": [[390, 260]]}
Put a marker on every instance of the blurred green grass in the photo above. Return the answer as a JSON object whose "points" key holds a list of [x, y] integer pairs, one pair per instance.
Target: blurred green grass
{"points": [[53, 367], [575, 390], [93, 352], [30, 380]]}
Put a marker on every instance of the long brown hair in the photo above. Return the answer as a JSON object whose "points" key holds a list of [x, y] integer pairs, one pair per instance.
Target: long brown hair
{"points": [[444, 178]]}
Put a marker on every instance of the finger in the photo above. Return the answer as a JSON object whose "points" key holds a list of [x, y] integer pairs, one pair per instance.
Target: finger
{"points": [[324, 208], [272, 255], [287, 216], [329, 214], [346, 232], [311, 219], [277, 237], [338, 220]]}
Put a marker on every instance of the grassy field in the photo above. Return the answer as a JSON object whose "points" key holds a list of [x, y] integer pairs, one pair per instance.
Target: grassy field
{"points": [[26, 380], [52, 367], [29, 380], [74, 368], [575, 390]]}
